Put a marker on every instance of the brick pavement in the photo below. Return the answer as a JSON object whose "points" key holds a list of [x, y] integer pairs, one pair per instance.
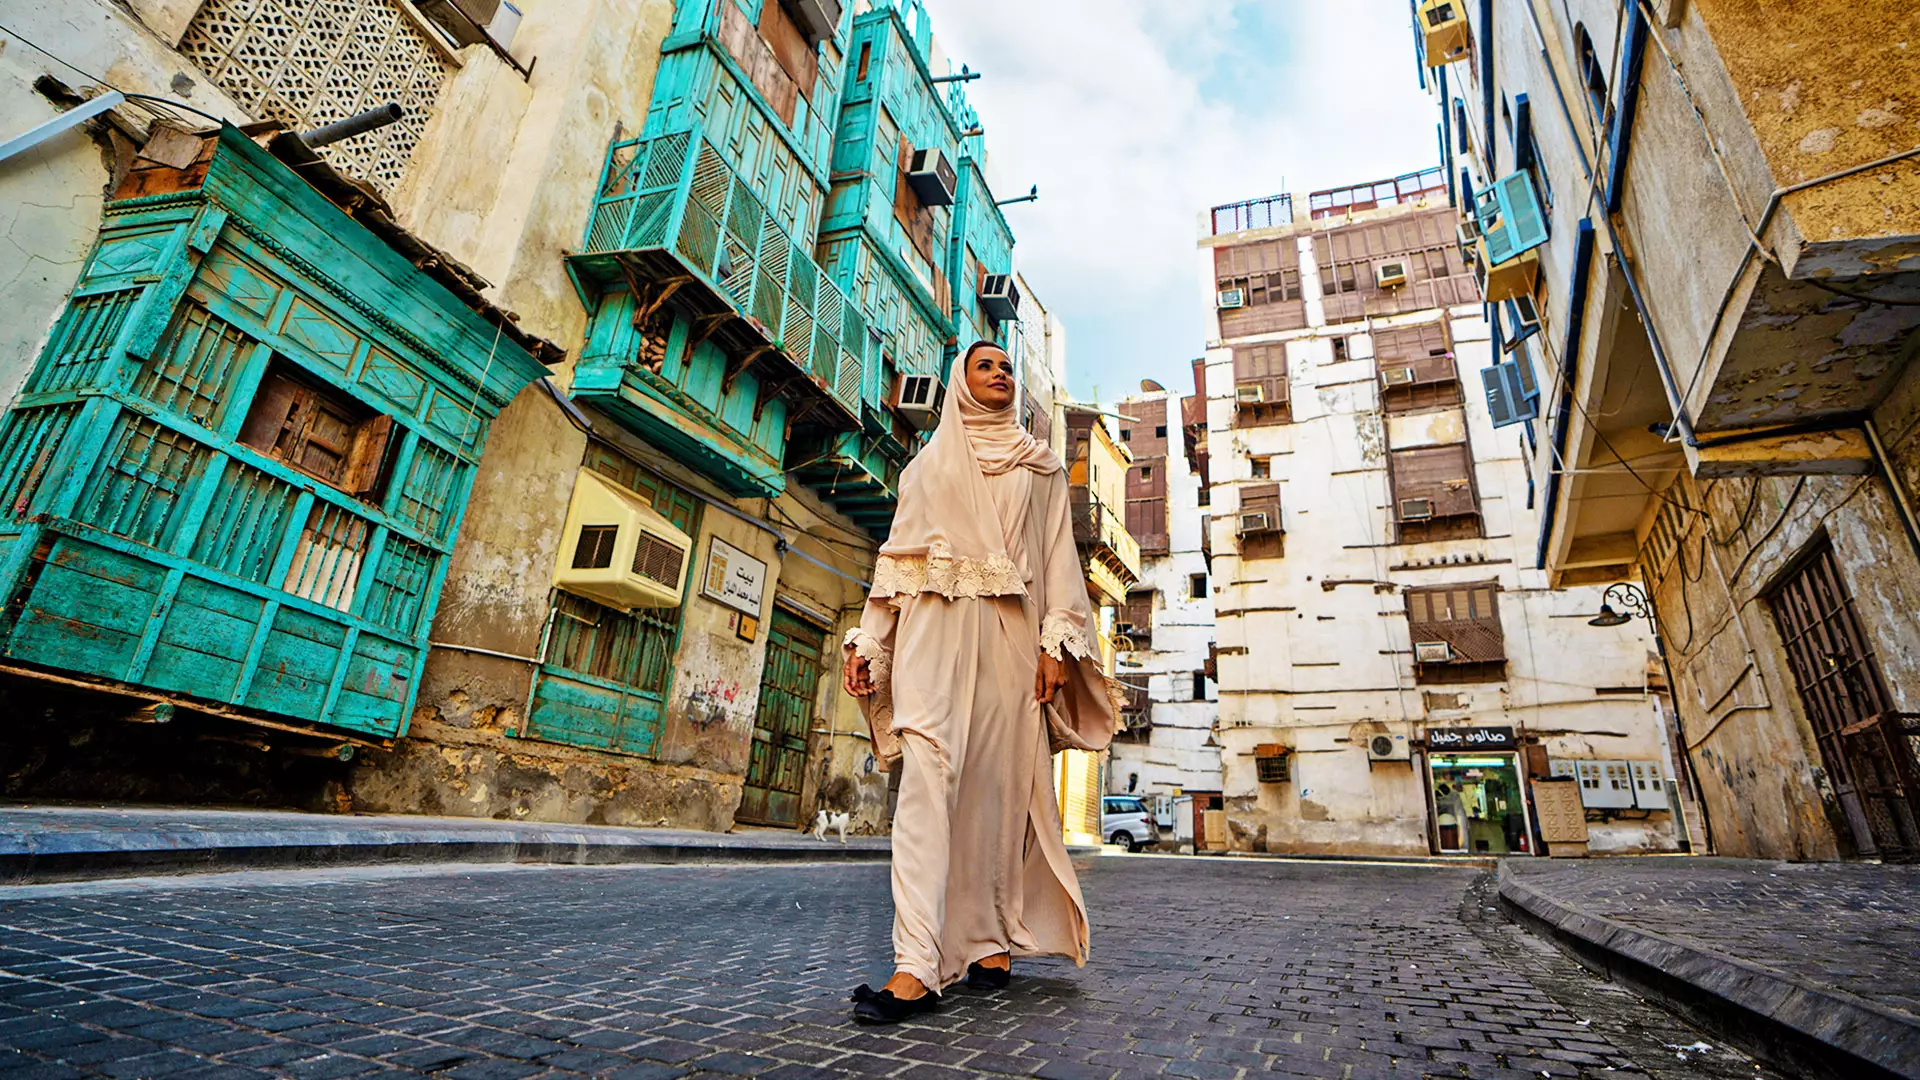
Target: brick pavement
{"points": [[1833, 925], [1202, 968]]}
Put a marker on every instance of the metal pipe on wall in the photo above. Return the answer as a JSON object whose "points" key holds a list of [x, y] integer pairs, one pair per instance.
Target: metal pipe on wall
{"points": [[358, 124]]}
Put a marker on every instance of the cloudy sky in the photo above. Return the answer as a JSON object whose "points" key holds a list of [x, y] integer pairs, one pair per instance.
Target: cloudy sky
{"points": [[1133, 116]]}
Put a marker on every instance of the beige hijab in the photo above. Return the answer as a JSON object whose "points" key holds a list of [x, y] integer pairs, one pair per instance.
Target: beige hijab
{"points": [[944, 506]]}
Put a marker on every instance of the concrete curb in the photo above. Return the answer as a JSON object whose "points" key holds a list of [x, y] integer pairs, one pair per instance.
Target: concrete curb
{"points": [[39, 845], [1805, 1029]]}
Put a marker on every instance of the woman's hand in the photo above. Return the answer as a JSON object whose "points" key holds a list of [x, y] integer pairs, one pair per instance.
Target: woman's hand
{"points": [[857, 676], [1049, 678]]}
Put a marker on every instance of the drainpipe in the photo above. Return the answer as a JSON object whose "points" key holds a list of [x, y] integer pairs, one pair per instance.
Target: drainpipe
{"points": [[1902, 502], [1569, 365], [1629, 80]]}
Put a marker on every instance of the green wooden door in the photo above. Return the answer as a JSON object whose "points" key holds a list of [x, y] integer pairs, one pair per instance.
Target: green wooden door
{"points": [[778, 763]]}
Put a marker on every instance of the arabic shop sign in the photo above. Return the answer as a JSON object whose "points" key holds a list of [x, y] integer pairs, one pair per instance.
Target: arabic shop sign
{"points": [[1471, 738]]}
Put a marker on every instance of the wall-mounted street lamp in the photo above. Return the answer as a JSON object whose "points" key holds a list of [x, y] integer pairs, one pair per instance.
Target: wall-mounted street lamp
{"points": [[1633, 605], [1033, 193]]}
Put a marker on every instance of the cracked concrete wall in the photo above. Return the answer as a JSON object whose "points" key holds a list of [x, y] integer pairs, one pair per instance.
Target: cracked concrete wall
{"points": [[51, 196]]}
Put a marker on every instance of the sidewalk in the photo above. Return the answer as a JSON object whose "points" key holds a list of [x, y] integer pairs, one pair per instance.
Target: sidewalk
{"points": [[1809, 965], [54, 843]]}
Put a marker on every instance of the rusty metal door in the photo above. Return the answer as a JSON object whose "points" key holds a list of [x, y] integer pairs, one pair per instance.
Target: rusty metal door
{"points": [[1865, 746], [776, 768]]}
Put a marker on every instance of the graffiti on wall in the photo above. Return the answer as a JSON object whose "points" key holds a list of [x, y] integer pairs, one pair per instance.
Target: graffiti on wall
{"points": [[712, 703]]}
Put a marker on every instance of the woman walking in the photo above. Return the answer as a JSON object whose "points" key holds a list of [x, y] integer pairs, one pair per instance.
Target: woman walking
{"points": [[972, 662]]}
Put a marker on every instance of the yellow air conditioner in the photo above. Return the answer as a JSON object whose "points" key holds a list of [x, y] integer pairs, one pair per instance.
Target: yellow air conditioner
{"points": [[1443, 30], [1515, 277], [618, 551]]}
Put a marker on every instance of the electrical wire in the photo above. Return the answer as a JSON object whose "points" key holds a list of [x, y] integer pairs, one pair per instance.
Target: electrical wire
{"points": [[138, 101], [1818, 284]]}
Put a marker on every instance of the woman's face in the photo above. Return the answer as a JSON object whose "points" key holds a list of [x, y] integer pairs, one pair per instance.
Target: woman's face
{"points": [[990, 378]]}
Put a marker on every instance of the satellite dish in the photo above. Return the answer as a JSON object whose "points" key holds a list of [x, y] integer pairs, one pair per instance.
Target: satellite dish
{"points": [[1149, 386]]}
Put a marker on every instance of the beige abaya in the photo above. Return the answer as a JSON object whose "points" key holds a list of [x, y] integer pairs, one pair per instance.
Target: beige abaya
{"points": [[963, 602]]}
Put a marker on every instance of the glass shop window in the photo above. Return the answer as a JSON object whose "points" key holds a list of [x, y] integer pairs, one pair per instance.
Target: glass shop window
{"points": [[319, 431]]}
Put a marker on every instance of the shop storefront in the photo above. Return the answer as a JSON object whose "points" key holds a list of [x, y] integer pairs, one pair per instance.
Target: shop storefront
{"points": [[1475, 798]]}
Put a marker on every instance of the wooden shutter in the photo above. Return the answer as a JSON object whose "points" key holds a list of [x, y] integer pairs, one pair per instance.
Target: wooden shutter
{"points": [[1442, 475], [369, 450], [1466, 617]]}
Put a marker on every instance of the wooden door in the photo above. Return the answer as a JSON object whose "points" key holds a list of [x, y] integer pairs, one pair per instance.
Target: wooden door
{"points": [[776, 768], [1865, 746]]}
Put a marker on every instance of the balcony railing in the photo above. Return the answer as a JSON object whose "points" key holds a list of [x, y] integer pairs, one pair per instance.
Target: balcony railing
{"points": [[1405, 188], [1103, 535], [1270, 212], [674, 218]]}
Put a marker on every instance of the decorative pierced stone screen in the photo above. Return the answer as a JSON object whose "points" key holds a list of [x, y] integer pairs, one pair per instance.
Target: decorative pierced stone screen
{"points": [[311, 62]]}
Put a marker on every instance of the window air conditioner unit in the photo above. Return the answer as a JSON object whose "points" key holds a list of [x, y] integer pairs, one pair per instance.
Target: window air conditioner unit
{"points": [[918, 398], [1432, 652], [1229, 299], [1443, 31], [1257, 522], [931, 177], [1250, 393], [618, 551], [1416, 509], [470, 22], [999, 297], [1390, 275], [1397, 376], [816, 18], [1388, 748]]}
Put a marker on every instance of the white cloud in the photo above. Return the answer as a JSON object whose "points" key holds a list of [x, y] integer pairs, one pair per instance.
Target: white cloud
{"points": [[1134, 116]]}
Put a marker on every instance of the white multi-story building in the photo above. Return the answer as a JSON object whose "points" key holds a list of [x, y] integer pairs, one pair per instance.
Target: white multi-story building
{"points": [[1396, 675], [1164, 634]]}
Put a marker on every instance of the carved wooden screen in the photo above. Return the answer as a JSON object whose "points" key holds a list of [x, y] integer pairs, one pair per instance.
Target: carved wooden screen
{"points": [[311, 62]]}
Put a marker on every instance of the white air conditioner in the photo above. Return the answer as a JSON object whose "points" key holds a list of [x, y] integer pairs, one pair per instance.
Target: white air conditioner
{"points": [[1250, 393], [999, 297], [1229, 299], [1390, 275], [470, 22], [931, 177], [1388, 748], [1468, 234], [617, 550], [1257, 522], [918, 398], [1432, 652], [1397, 376], [1416, 509], [816, 18]]}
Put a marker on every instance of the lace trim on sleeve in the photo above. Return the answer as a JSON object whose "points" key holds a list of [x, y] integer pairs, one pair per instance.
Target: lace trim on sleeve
{"points": [[1058, 632], [951, 576], [867, 647]]}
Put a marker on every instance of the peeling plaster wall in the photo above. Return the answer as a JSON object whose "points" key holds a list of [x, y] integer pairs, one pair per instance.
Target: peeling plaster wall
{"points": [[1764, 780], [51, 196]]}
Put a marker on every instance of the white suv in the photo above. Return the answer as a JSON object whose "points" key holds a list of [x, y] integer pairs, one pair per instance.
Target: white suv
{"points": [[1125, 820]]}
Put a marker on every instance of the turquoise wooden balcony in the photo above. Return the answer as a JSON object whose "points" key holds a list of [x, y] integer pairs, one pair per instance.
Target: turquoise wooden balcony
{"points": [[713, 330], [856, 473], [233, 478]]}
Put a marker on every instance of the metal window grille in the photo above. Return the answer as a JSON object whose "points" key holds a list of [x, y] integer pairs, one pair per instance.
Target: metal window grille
{"points": [[28, 441], [427, 495], [82, 341], [399, 584], [194, 364], [246, 523], [144, 474]]}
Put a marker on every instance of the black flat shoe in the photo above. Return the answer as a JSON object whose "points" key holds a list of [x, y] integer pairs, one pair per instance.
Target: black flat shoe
{"points": [[981, 977], [883, 1008]]}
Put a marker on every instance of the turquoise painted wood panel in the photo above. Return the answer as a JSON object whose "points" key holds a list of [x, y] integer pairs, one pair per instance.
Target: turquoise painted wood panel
{"points": [[204, 641], [171, 554], [571, 709]]}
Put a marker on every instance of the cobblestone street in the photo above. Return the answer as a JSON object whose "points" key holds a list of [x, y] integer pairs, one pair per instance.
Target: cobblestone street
{"points": [[1201, 968]]}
